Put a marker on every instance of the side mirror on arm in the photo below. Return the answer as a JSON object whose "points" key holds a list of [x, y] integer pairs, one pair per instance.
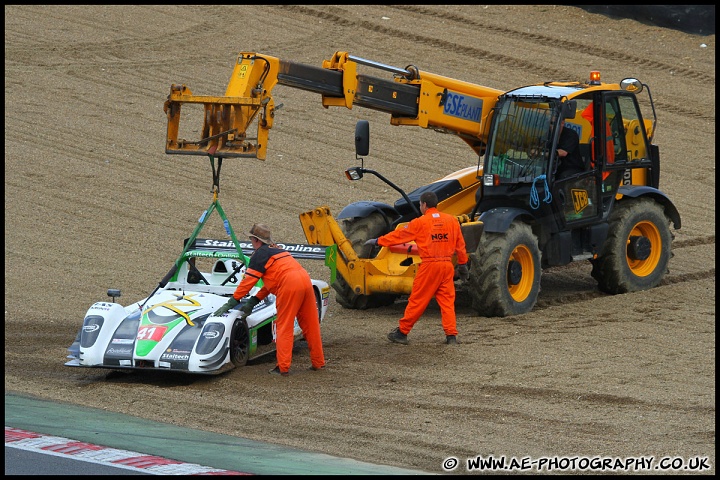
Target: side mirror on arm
{"points": [[569, 109]]}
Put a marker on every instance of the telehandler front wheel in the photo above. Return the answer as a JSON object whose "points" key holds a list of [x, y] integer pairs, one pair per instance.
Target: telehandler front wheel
{"points": [[358, 230], [636, 253], [505, 272]]}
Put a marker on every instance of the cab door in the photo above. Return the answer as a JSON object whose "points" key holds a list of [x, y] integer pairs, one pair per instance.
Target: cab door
{"points": [[609, 147], [631, 152], [577, 197]]}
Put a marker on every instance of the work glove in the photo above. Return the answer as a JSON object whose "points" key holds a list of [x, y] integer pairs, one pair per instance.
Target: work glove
{"points": [[228, 305], [462, 273], [249, 305], [372, 242]]}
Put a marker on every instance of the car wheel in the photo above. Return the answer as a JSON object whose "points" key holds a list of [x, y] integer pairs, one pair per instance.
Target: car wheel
{"points": [[240, 342]]}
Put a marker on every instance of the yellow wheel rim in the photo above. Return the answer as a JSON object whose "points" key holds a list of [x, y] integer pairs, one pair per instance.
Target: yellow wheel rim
{"points": [[523, 256], [643, 268]]}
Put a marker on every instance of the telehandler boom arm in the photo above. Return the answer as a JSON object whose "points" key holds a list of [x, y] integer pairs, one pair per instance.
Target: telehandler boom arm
{"points": [[411, 98]]}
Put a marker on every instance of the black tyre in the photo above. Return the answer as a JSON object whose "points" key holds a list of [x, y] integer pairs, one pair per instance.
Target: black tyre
{"points": [[318, 304], [505, 272], [637, 251], [357, 231], [240, 342]]}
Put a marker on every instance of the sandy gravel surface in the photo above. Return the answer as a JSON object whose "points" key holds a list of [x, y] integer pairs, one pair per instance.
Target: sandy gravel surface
{"points": [[92, 202]]}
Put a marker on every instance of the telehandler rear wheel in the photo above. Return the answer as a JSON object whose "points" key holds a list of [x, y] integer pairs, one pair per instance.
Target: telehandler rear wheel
{"points": [[636, 253], [505, 272], [358, 230]]}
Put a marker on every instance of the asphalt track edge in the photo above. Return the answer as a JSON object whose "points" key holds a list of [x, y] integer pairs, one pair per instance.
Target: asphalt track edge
{"points": [[98, 426]]}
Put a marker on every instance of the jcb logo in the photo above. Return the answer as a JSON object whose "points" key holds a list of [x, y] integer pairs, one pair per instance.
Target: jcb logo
{"points": [[580, 199], [441, 237]]}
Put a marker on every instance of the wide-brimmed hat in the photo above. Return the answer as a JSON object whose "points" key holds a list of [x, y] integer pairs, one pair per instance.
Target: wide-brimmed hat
{"points": [[261, 232]]}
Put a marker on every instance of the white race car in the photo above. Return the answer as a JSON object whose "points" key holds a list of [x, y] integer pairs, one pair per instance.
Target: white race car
{"points": [[174, 328]]}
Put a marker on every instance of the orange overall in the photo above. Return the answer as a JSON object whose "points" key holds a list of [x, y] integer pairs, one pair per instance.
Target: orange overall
{"points": [[438, 237], [284, 277]]}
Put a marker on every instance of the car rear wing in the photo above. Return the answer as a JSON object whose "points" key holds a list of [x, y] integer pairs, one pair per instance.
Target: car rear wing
{"points": [[297, 250]]}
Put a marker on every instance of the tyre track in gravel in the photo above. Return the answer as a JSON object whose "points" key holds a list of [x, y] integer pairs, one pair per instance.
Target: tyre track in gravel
{"points": [[113, 50], [549, 298], [104, 52], [570, 396], [557, 296], [129, 78], [85, 164], [613, 55], [120, 52]]}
